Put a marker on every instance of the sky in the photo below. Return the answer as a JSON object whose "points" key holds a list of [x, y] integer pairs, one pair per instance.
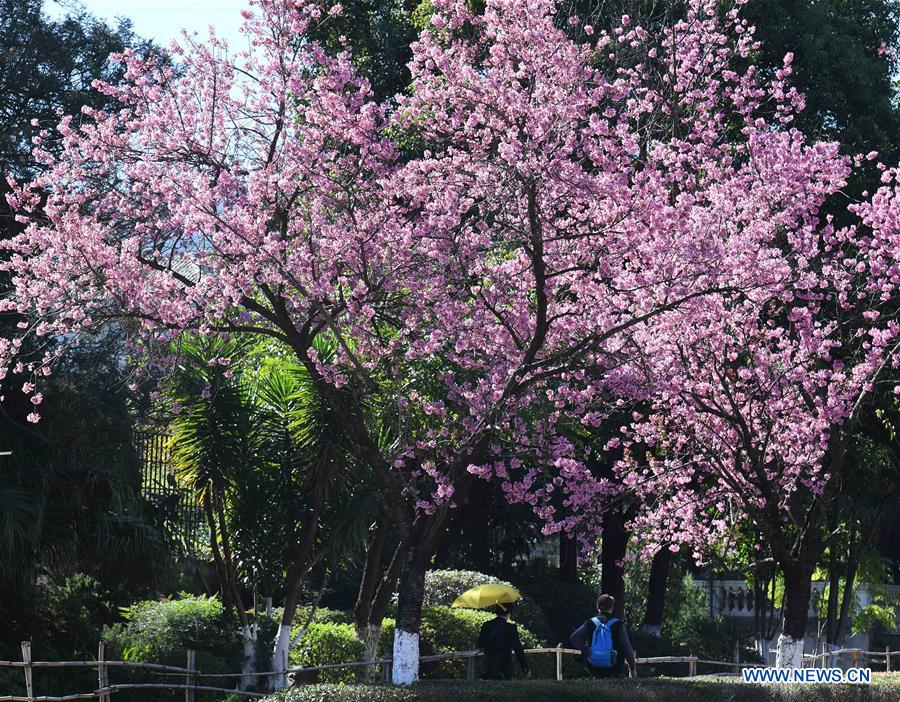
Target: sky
{"points": [[162, 20]]}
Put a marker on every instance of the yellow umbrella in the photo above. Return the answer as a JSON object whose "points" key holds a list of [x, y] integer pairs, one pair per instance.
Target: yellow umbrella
{"points": [[486, 596]]}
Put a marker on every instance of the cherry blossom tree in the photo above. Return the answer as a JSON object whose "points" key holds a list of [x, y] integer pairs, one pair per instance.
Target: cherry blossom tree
{"points": [[757, 398], [487, 253]]}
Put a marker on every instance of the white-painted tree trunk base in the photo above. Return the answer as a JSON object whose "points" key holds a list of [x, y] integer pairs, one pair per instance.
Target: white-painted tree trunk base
{"points": [[248, 663], [405, 670], [788, 652], [370, 635], [280, 657], [652, 629]]}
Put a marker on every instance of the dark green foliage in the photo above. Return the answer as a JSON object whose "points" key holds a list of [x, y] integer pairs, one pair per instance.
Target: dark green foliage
{"points": [[323, 643], [444, 586], [687, 628], [64, 622], [76, 611], [380, 33], [488, 534], [837, 64], [841, 67], [162, 631], [70, 503], [265, 459], [595, 691], [565, 605], [48, 65]]}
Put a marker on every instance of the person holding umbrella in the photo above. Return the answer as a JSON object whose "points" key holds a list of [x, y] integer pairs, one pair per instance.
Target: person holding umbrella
{"points": [[499, 637]]}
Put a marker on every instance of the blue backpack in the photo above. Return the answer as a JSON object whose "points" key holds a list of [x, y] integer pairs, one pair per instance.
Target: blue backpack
{"points": [[602, 654]]}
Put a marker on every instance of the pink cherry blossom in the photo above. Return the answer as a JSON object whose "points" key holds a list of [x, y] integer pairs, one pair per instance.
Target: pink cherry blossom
{"points": [[539, 232]]}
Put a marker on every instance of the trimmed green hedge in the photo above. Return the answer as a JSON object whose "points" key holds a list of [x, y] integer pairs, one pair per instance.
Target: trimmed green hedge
{"points": [[444, 586], [651, 690], [445, 630], [324, 643], [160, 631]]}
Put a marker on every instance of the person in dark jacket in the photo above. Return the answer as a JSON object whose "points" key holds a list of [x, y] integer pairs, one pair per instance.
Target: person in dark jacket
{"points": [[583, 635], [498, 638]]}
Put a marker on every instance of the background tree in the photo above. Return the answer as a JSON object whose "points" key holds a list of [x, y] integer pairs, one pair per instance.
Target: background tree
{"points": [[763, 405], [844, 59], [381, 34], [72, 518], [271, 470]]}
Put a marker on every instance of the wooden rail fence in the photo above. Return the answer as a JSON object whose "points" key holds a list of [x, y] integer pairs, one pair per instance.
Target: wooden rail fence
{"points": [[191, 675], [854, 653]]}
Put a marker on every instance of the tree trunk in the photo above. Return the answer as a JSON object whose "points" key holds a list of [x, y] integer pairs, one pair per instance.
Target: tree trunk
{"points": [[763, 609], [656, 596], [409, 618], [375, 590], [614, 544], [371, 573], [834, 584], [568, 558], [248, 658], [795, 614], [282, 646], [849, 583], [221, 572], [370, 635], [859, 538]]}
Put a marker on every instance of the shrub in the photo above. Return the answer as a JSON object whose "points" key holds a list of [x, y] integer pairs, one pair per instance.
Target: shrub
{"points": [[444, 630], [63, 617], [162, 631], [324, 643], [76, 610], [322, 614], [690, 630], [594, 691], [444, 586]]}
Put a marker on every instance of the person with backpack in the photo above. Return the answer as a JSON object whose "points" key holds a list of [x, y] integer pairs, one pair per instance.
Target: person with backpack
{"points": [[604, 643], [498, 638]]}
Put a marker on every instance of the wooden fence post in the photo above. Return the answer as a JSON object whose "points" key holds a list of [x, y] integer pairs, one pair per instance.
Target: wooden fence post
{"points": [[692, 666], [470, 670], [853, 658], [737, 656], [29, 671], [386, 671], [887, 659], [189, 678], [102, 672], [559, 666]]}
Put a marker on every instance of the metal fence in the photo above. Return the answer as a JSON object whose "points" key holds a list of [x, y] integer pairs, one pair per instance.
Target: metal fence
{"points": [[173, 507]]}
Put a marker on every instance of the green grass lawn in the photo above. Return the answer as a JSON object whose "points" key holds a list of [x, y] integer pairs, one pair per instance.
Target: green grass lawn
{"points": [[885, 688]]}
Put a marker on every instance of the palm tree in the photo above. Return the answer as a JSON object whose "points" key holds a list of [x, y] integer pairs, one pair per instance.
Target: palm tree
{"points": [[271, 470]]}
